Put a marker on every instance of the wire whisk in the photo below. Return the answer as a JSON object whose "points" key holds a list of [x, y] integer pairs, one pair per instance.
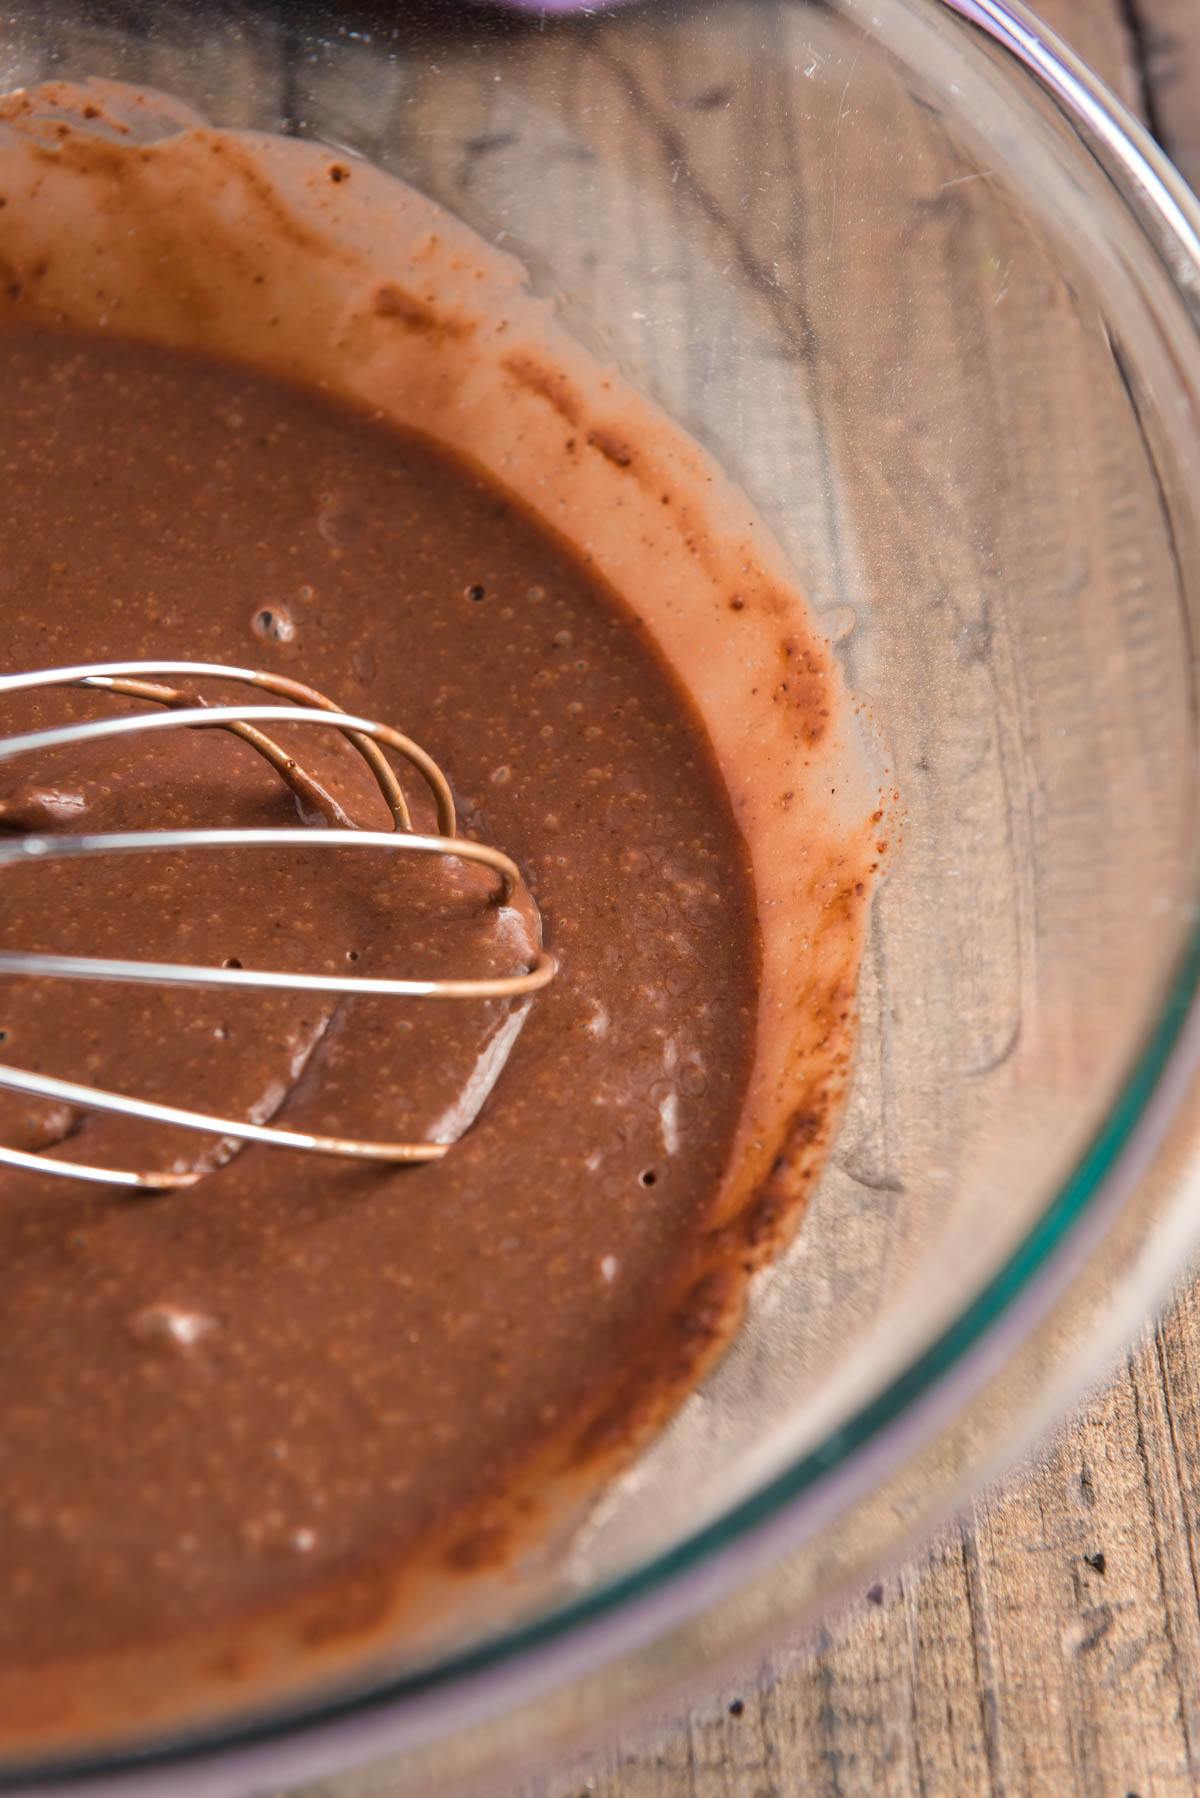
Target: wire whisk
{"points": [[184, 708]]}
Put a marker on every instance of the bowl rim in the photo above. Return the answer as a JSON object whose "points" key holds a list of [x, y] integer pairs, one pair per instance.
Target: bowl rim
{"points": [[303, 1740]]}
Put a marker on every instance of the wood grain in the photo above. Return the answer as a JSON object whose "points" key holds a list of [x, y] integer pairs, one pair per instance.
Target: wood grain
{"points": [[1048, 1645]]}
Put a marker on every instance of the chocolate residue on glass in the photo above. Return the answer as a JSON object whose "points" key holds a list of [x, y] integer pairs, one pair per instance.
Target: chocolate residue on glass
{"points": [[265, 404]]}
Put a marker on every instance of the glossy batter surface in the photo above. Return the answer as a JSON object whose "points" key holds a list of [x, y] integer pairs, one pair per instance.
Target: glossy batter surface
{"points": [[213, 1399]]}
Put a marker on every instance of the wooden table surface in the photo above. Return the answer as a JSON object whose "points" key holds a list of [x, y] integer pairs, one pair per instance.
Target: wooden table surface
{"points": [[1049, 1643]]}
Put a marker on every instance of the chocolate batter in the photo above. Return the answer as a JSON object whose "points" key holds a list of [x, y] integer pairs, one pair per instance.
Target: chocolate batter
{"points": [[300, 1424], [212, 1400]]}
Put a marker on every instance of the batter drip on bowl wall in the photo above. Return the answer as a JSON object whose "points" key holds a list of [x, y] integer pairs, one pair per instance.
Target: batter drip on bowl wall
{"points": [[267, 403]]}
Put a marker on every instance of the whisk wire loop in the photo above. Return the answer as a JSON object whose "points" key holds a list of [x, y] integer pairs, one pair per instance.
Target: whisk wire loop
{"points": [[186, 709]]}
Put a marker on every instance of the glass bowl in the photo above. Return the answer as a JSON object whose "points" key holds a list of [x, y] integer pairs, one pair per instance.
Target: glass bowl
{"points": [[932, 301]]}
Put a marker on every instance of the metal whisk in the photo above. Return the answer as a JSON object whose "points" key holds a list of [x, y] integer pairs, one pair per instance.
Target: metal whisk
{"points": [[185, 709]]}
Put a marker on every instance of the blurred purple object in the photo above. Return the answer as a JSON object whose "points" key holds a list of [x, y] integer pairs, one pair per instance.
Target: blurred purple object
{"points": [[554, 6]]}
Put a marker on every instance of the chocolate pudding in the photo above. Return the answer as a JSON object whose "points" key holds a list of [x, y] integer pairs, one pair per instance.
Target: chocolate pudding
{"points": [[248, 1426]]}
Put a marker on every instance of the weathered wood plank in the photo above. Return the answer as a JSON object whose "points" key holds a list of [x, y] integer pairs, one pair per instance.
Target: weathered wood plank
{"points": [[1099, 32], [1169, 37]]}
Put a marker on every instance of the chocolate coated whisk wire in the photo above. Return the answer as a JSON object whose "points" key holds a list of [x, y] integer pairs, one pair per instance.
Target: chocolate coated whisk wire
{"points": [[184, 709]]}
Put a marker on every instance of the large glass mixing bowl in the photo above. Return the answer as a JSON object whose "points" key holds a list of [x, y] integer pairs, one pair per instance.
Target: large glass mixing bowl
{"points": [[905, 271]]}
